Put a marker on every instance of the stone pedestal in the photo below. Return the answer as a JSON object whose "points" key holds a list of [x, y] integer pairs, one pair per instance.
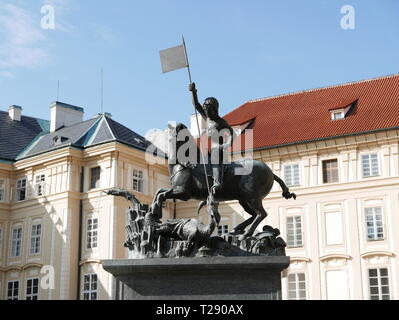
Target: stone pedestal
{"points": [[213, 278]]}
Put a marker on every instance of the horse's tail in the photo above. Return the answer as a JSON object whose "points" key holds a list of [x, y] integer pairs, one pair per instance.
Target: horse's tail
{"points": [[286, 192]]}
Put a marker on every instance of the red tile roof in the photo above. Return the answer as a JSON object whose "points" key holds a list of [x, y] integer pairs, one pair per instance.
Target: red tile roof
{"points": [[305, 116], [342, 104]]}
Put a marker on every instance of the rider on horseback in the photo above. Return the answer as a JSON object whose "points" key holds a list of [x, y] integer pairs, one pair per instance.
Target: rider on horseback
{"points": [[220, 132]]}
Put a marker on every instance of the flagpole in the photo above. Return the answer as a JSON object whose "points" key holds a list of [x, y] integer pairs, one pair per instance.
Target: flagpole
{"points": [[188, 64], [196, 117]]}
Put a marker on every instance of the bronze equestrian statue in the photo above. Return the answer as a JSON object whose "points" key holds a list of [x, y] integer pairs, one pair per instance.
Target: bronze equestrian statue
{"points": [[189, 182]]}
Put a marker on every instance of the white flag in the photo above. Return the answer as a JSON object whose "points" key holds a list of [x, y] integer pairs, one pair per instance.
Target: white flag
{"points": [[173, 58]]}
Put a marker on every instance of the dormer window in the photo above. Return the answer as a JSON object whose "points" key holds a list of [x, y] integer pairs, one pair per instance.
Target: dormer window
{"points": [[338, 115], [59, 140], [342, 109], [240, 128]]}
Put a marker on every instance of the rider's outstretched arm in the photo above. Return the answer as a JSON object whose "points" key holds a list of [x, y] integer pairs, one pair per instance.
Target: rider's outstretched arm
{"points": [[196, 103]]}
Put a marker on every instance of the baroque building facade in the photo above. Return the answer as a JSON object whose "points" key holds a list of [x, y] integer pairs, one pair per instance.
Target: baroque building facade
{"points": [[56, 224], [336, 148]]}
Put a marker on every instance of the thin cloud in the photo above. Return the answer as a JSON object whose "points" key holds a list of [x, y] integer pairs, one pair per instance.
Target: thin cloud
{"points": [[22, 37], [6, 74], [104, 33], [55, 2]]}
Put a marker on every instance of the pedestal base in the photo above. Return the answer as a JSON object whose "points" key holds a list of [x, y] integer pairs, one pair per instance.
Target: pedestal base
{"points": [[214, 278]]}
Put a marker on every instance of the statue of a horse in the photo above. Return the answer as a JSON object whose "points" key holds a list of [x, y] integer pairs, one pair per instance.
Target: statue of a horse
{"points": [[250, 189]]}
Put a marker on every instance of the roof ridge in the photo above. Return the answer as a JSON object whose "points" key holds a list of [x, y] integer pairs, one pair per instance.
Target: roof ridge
{"points": [[124, 127], [87, 130], [30, 146], [75, 124], [22, 115], [108, 125], [322, 88]]}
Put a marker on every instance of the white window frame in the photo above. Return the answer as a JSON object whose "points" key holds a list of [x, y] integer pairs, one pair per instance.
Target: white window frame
{"points": [[370, 168], [291, 182], [21, 186], [36, 238], [40, 185], [91, 233], [338, 115], [88, 286], [13, 296], [2, 190], [295, 234], [16, 243], [298, 291], [136, 179], [379, 285], [374, 221], [32, 295], [223, 229]]}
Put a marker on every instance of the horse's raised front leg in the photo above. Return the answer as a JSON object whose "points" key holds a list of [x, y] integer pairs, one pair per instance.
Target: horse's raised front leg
{"points": [[173, 193], [157, 194]]}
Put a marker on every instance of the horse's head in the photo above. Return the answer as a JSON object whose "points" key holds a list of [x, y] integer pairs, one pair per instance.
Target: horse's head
{"points": [[182, 147], [179, 134], [176, 128], [173, 132]]}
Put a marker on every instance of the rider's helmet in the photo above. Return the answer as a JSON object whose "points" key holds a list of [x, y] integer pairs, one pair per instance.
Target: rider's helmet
{"points": [[211, 103]]}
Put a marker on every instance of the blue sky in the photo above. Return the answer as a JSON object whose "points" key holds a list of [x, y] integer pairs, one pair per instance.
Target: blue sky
{"points": [[239, 50]]}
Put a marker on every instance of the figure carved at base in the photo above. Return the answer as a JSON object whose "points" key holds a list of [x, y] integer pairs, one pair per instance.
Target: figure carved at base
{"points": [[195, 233], [148, 237]]}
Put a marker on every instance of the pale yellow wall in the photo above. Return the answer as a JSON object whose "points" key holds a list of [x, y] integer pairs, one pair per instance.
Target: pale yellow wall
{"points": [[349, 196], [59, 213]]}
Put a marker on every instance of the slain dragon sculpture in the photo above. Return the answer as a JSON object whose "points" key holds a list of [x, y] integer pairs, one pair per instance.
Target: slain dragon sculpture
{"points": [[148, 237]]}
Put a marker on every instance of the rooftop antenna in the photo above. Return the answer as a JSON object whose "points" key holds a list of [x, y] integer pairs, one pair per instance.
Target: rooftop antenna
{"points": [[102, 91], [58, 91]]}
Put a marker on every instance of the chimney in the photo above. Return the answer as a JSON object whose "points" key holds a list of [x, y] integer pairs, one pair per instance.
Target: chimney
{"points": [[15, 113], [194, 126], [64, 115]]}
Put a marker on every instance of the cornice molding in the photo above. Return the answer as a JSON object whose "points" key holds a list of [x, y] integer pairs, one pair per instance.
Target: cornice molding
{"points": [[388, 137], [300, 259], [32, 265], [373, 253], [21, 267], [334, 256], [87, 261]]}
